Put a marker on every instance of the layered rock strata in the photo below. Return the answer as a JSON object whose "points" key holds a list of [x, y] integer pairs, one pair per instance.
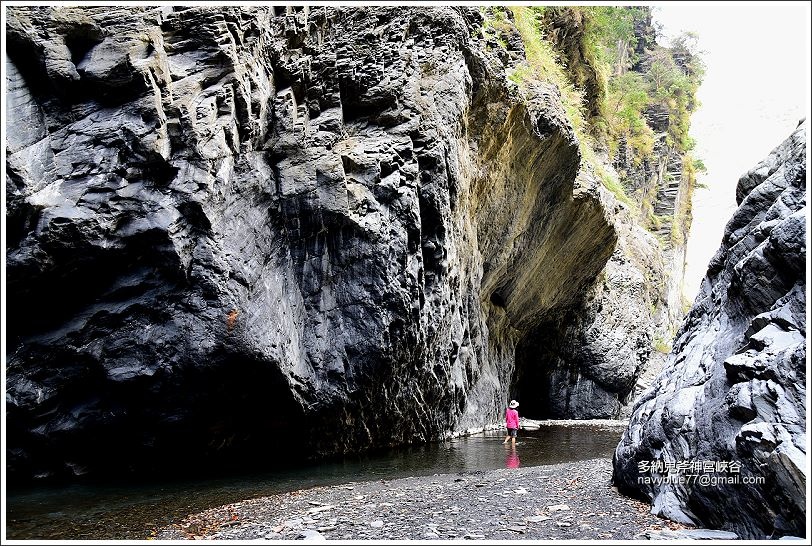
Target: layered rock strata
{"points": [[734, 387], [592, 360], [234, 227]]}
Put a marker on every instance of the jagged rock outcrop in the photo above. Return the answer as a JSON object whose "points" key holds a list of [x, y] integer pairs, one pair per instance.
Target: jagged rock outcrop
{"points": [[661, 184], [734, 387], [234, 227], [590, 360]]}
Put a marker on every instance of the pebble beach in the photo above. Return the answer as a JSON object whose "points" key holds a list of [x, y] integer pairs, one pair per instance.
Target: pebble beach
{"points": [[562, 501]]}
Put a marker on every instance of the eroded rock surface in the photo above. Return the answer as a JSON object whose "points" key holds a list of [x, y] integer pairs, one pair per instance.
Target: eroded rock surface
{"points": [[734, 387], [232, 228]]}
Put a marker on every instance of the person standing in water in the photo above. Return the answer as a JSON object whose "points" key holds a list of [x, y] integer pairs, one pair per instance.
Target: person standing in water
{"points": [[512, 422]]}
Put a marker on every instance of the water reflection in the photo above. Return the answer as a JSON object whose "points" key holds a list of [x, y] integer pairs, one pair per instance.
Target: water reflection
{"points": [[512, 460], [130, 511]]}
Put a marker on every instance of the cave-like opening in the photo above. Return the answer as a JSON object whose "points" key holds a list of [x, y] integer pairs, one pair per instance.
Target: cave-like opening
{"points": [[563, 370], [533, 378]]}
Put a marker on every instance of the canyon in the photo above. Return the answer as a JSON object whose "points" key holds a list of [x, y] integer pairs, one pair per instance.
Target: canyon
{"points": [[348, 228]]}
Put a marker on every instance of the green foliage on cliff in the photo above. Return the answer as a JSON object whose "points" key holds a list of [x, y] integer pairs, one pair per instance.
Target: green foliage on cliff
{"points": [[544, 64], [609, 31], [627, 97], [661, 346], [664, 79], [681, 95], [682, 212]]}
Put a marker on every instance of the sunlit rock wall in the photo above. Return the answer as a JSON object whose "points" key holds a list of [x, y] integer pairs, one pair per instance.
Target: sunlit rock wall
{"points": [[734, 386]]}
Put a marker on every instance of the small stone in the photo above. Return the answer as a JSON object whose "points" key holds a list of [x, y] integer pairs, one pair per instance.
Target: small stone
{"points": [[520, 491], [311, 535], [691, 534], [322, 508], [377, 524], [536, 519], [557, 507]]}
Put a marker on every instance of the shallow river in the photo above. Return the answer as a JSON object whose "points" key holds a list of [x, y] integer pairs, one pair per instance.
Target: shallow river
{"points": [[131, 511]]}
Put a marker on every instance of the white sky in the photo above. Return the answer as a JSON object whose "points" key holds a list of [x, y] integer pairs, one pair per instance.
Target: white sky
{"points": [[755, 90]]}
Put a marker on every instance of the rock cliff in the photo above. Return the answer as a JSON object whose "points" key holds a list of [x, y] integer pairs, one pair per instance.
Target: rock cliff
{"points": [[592, 360], [734, 386], [230, 228]]}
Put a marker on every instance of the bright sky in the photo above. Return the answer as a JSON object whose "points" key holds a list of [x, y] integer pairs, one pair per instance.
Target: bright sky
{"points": [[755, 91]]}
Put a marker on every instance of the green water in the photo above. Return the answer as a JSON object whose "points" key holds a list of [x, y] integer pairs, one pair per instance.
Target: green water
{"points": [[131, 511]]}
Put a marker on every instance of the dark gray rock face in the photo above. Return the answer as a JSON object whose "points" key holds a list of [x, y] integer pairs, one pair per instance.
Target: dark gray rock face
{"points": [[234, 228], [734, 387], [230, 229], [592, 361]]}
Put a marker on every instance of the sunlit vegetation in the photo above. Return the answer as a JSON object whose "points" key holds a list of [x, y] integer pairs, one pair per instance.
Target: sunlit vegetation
{"points": [[611, 85], [544, 64]]}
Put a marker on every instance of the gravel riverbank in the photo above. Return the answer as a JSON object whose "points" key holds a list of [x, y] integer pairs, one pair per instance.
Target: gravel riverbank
{"points": [[563, 501]]}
